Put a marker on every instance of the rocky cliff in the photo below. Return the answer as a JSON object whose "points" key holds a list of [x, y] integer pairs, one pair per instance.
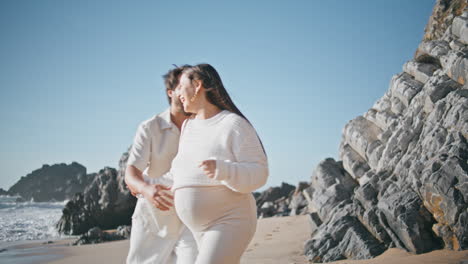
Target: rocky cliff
{"points": [[402, 180], [105, 203], [57, 182]]}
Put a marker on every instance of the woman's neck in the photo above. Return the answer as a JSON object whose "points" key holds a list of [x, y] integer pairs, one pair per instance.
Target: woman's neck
{"points": [[209, 110]]}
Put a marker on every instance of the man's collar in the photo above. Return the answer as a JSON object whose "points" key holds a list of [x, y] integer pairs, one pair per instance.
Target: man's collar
{"points": [[165, 121]]}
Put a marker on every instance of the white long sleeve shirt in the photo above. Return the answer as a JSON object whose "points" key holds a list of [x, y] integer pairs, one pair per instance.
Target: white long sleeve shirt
{"points": [[154, 146], [241, 163]]}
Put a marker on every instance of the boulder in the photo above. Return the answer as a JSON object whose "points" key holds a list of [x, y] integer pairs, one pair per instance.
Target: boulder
{"points": [[95, 235], [106, 203]]}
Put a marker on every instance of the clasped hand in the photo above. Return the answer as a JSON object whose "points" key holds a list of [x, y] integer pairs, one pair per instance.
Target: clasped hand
{"points": [[159, 196]]}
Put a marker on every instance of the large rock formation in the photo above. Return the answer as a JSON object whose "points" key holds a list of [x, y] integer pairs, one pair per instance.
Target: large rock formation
{"points": [[57, 182], [106, 203], [403, 176]]}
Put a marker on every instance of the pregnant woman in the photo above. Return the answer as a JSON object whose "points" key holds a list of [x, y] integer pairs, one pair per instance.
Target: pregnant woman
{"points": [[220, 161]]}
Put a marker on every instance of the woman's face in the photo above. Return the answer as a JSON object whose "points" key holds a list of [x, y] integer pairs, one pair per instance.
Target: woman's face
{"points": [[185, 91]]}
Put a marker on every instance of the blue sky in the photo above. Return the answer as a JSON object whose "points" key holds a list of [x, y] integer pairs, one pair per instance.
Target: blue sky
{"points": [[77, 77]]}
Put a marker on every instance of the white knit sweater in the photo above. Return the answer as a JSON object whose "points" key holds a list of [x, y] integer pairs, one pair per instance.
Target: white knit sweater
{"points": [[241, 163]]}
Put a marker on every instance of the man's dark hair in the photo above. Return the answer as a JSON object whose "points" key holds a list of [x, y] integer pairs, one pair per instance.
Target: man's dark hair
{"points": [[171, 78]]}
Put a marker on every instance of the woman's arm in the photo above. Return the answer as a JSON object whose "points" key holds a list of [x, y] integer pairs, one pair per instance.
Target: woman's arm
{"points": [[250, 169]]}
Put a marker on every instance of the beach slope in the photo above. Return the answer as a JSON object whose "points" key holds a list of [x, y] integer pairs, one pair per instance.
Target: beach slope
{"points": [[277, 240]]}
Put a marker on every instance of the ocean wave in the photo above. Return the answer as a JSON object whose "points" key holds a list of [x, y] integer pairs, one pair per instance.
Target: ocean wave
{"points": [[28, 220], [11, 203]]}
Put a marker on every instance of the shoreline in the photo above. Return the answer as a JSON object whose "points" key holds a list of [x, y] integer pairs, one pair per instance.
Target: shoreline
{"points": [[34, 251], [277, 240]]}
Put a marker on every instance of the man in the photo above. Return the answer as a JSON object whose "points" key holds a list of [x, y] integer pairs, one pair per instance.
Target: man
{"points": [[157, 234]]}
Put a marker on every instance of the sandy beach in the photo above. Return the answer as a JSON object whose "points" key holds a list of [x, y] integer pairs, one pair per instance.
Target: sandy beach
{"points": [[277, 240]]}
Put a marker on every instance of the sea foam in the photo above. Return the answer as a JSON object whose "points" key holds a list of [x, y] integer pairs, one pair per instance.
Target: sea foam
{"points": [[28, 220]]}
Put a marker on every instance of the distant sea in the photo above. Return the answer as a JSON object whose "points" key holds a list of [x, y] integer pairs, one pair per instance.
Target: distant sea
{"points": [[25, 221]]}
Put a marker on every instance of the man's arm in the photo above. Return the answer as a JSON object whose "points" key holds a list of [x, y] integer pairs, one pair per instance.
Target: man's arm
{"points": [[134, 180], [139, 156], [138, 160]]}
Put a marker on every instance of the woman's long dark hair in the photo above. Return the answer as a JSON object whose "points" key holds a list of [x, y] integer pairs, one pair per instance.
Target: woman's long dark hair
{"points": [[216, 94]]}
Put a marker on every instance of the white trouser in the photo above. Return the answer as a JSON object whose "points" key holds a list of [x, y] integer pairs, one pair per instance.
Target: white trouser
{"points": [[159, 237], [222, 221]]}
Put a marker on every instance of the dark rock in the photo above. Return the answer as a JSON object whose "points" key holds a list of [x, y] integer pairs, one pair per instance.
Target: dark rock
{"points": [[3, 192], [343, 236], [298, 203], [275, 193], [267, 209], [367, 195], [58, 182], [106, 203], [461, 232], [370, 219], [282, 206], [314, 221], [332, 185], [275, 201], [124, 231], [409, 219], [256, 195], [358, 244], [95, 235], [20, 200]]}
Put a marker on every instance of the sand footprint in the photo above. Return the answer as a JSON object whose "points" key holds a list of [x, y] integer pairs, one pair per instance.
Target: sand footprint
{"points": [[276, 229]]}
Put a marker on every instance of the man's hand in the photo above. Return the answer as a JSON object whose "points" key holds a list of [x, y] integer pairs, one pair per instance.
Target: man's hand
{"points": [[208, 167], [158, 195]]}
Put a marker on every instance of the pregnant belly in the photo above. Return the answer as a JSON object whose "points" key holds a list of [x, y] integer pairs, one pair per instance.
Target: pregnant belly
{"points": [[203, 206]]}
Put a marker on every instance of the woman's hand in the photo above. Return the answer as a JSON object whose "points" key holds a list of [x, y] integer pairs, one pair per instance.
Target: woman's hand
{"points": [[158, 196], [208, 167]]}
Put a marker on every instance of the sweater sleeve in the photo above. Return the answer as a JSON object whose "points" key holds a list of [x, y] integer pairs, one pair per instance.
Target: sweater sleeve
{"points": [[140, 152], [249, 170]]}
